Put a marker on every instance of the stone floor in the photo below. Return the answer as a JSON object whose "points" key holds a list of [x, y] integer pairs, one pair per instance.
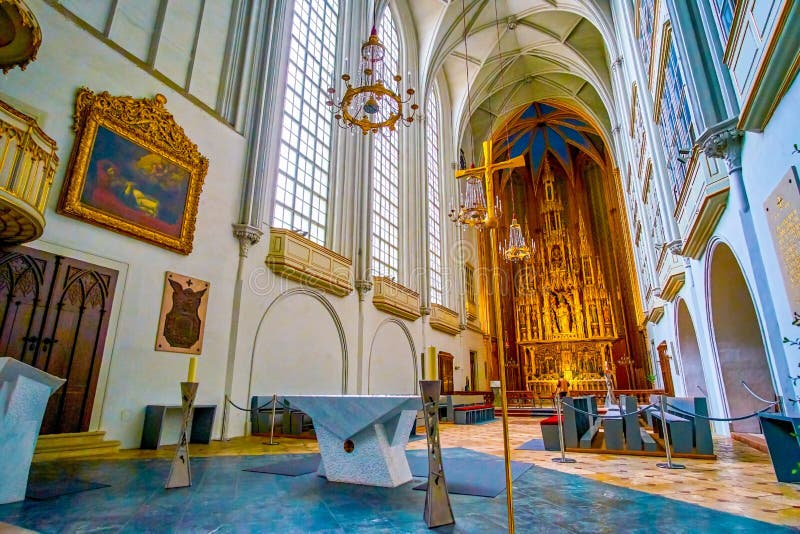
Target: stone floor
{"points": [[598, 493]]}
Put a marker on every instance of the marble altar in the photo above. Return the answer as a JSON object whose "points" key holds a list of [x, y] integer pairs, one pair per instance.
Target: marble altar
{"points": [[362, 438], [24, 392]]}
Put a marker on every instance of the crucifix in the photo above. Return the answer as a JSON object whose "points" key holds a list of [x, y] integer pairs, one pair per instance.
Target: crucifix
{"points": [[488, 170]]}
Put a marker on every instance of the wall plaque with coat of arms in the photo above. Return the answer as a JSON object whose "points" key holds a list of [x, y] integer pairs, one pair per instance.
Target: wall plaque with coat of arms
{"points": [[183, 314]]}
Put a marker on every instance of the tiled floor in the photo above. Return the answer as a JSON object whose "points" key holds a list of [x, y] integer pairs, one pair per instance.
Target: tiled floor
{"points": [[599, 493]]}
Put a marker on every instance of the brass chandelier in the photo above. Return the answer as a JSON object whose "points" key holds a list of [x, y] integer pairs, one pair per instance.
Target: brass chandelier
{"points": [[375, 103]]}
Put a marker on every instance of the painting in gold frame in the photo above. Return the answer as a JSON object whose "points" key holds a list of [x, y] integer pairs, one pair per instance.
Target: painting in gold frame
{"points": [[183, 314], [133, 170]]}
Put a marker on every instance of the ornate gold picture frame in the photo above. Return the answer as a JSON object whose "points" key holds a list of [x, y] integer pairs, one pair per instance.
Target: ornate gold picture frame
{"points": [[183, 314], [133, 170]]}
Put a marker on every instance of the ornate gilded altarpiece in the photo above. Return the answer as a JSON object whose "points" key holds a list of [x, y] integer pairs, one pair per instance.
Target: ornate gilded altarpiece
{"points": [[565, 317], [183, 314], [133, 170]]}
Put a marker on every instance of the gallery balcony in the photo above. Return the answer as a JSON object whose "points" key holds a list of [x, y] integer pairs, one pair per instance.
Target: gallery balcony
{"points": [[444, 319], [702, 201], [671, 271], [394, 298], [28, 162], [297, 258]]}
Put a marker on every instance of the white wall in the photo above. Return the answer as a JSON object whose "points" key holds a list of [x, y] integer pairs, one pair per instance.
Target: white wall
{"points": [[297, 347], [136, 375]]}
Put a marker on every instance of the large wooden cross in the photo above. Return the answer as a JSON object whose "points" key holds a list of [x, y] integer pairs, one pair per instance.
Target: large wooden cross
{"points": [[488, 170]]}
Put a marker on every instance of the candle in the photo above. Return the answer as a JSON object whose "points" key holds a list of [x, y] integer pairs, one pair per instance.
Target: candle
{"points": [[192, 369]]}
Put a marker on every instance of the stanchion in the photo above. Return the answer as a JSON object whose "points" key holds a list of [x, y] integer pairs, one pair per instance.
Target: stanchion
{"points": [[225, 408], [563, 459], [669, 464], [272, 425]]}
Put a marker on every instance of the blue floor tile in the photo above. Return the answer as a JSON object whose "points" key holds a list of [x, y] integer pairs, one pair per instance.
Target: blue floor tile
{"points": [[226, 499]]}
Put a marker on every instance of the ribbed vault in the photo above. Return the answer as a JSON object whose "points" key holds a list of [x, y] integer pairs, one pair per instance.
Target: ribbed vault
{"points": [[516, 52]]}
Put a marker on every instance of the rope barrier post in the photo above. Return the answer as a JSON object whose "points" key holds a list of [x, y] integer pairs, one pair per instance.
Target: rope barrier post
{"points": [[669, 464], [224, 431], [272, 425], [563, 459]]}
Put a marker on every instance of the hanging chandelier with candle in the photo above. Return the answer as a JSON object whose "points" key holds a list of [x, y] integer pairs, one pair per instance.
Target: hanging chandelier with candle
{"points": [[473, 211], [375, 103], [516, 248]]}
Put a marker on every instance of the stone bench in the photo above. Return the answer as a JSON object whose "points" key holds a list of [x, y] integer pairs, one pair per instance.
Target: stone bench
{"points": [[631, 428], [680, 431], [588, 436], [549, 427], [648, 442], [288, 421], [476, 413], [613, 429], [701, 427], [449, 403]]}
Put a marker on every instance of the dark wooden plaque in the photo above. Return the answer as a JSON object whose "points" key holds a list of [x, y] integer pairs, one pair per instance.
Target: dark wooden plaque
{"points": [[782, 208], [183, 314]]}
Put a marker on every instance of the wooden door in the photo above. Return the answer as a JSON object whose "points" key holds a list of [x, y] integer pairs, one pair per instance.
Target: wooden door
{"points": [[55, 313], [666, 372], [473, 370], [446, 371]]}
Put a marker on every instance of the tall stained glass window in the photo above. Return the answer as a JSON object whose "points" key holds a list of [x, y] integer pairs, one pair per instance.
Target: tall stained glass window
{"points": [[434, 199], [301, 198], [386, 173], [675, 122]]}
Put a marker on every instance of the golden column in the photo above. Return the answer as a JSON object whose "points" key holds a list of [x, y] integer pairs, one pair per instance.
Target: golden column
{"points": [[490, 221]]}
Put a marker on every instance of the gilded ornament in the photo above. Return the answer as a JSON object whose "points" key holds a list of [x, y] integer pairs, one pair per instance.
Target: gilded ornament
{"points": [[133, 170]]}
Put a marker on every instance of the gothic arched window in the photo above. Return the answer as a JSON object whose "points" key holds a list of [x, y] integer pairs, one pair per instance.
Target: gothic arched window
{"points": [[386, 173], [301, 197], [434, 199], [675, 121]]}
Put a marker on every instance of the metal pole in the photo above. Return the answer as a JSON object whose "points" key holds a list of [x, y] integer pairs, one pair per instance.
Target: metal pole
{"points": [[272, 426], [669, 464], [559, 411], [224, 436], [502, 363]]}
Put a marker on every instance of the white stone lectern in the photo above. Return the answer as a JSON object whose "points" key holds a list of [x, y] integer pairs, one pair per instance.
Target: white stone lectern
{"points": [[24, 392], [362, 438]]}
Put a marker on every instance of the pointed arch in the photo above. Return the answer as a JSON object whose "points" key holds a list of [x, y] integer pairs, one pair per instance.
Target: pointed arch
{"points": [[738, 340], [329, 309], [413, 351]]}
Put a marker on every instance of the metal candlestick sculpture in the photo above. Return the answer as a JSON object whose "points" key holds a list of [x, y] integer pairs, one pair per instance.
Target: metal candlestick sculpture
{"points": [[438, 511], [180, 476]]}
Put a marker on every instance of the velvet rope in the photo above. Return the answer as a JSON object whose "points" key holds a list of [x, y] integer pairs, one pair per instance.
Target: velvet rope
{"points": [[726, 419]]}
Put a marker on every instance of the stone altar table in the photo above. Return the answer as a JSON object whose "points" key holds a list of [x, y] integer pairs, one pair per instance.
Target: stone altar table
{"points": [[24, 392], [362, 438]]}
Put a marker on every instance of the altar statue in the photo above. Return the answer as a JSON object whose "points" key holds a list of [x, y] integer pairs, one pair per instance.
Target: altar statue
{"points": [[564, 317], [609, 389]]}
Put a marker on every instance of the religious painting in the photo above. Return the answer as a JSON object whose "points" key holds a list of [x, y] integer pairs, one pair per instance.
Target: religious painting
{"points": [[133, 170], [183, 314]]}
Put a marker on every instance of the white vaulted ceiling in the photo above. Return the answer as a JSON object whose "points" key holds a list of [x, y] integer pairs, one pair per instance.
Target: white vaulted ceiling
{"points": [[517, 52]]}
